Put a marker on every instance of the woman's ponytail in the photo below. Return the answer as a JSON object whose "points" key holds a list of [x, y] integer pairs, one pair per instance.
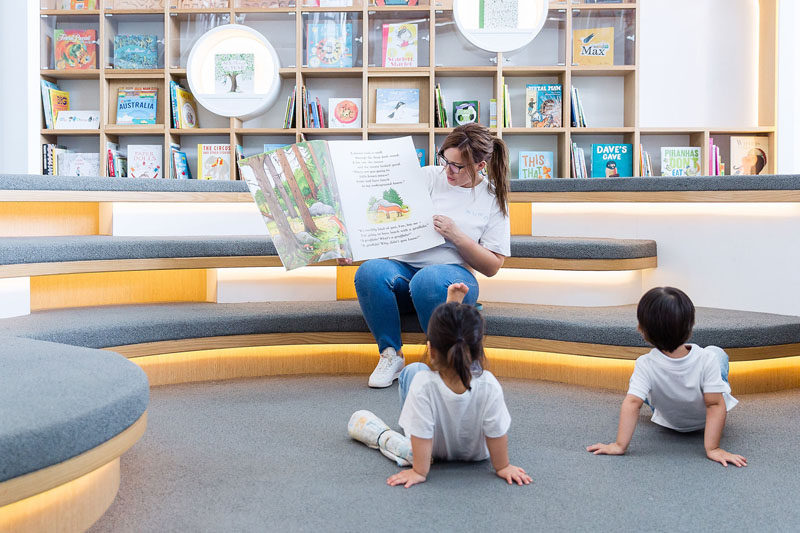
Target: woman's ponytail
{"points": [[499, 170]]}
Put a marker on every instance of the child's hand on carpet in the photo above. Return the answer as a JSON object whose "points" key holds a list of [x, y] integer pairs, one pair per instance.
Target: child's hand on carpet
{"points": [[722, 457], [406, 478], [606, 449], [514, 474]]}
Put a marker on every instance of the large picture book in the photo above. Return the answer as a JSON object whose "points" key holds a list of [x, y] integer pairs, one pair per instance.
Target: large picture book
{"points": [[213, 161], [59, 101], [324, 200], [135, 51], [396, 106], [234, 73], [145, 161], [593, 46], [612, 160], [344, 112], [535, 165], [749, 155], [680, 161], [78, 164], [329, 44], [187, 108], [78, 120], [75, 49], [466, 112], [543, 109], [137, 105], [399, 45]]}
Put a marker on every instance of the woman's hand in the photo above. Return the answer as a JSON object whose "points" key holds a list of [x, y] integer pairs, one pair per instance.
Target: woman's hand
{"points": [[341, 261], [406, 478], [447, 228]]}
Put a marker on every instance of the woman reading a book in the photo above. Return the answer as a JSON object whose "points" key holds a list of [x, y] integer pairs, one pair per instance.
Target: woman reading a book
{"points": [[469, 189]]}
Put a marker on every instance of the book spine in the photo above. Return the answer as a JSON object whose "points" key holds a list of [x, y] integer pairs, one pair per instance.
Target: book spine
{"points": [[111, 171], [173, 93], [320, 114], [385, 29]]}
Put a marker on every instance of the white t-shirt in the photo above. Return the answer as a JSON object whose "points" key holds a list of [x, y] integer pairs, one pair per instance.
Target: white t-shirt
{"points": [[457, 423], [675, 387], [474, 210]]}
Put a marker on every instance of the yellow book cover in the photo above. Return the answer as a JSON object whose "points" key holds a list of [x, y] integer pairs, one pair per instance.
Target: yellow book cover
{"points": [[593, 46], [59, 101], [187, 109], [213, 161]]}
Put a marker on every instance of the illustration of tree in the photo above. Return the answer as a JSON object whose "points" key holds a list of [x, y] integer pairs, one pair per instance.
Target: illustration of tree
{"points": [[280, 188], [372, 201], [392, 196], [300, 161], [328, 186], [234, 69], [288, 174]]}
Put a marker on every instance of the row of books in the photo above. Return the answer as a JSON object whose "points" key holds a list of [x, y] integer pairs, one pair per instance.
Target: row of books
{"points": [[208, 4], [608, 160], [578, 116], [77, 50], [748, 156], [184, 108], [58, 160], [57, 112]]}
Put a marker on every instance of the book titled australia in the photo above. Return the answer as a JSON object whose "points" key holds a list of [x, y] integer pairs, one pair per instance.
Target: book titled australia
{"points": [[329, 45], [611, 160], [137, 106], [136, 51], [325, 200]]}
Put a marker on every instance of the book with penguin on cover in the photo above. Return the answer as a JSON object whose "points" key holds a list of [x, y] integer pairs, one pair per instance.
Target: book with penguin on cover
{"points": [[325, 200]]}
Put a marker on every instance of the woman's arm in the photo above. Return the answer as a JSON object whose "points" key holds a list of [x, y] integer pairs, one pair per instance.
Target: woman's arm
{"points": [[421, 449], [498, 452], [481, 259]]}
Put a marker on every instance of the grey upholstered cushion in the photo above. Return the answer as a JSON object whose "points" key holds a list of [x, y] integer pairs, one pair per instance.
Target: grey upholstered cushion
{"points": [[581, 248], [697, 183], [106, 326], [58, 401], [74, 183]]}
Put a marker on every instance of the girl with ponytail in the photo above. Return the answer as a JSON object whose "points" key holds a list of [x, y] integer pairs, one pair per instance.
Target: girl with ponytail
{"points": [[454, 410]]}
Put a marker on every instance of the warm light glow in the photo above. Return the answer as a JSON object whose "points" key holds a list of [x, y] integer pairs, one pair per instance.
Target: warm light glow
{"points": [[733, 209], [279, 274], [567, 277]]}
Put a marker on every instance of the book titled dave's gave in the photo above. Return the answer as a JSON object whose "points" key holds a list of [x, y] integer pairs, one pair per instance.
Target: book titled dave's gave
{"points": [[137, 106], [612, 160]]}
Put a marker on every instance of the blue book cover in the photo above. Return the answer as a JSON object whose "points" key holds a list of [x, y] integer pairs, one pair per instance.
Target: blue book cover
{"points": [[181, 166], [271, 147], [612, 160], [329, 45], [136, 51], [397, 106], [136, 106], [421, 156], [535, 165], [543, 109]]}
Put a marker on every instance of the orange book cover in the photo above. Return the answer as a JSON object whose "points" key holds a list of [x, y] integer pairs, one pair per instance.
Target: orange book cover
{"points": [[75, 49]]}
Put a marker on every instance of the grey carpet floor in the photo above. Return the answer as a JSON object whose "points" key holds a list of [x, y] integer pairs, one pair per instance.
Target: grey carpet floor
{"points": [[273, 454]]}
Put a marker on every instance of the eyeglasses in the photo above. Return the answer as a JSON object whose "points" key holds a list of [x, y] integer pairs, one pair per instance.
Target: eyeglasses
{"points": [[445, 163]]}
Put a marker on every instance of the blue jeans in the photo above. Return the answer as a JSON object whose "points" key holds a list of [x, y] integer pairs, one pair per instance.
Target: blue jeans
{"points": [[405, 379], [386, 288], [724, 365]]}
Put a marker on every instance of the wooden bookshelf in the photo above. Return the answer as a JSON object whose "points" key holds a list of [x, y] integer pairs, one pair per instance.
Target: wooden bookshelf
{"points": [[365, 77]]}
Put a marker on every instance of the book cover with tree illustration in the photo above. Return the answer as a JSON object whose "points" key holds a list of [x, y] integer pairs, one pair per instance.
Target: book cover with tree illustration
{"points": [[233, 73], [324, 200]]}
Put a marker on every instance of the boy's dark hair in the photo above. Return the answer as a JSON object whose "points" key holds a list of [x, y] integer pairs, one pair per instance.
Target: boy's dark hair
{"points": [[666, 317], [455, 332]]}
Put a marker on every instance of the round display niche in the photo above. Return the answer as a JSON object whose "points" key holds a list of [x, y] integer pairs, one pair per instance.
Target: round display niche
{"points": [[233, 71], [500, 25]]}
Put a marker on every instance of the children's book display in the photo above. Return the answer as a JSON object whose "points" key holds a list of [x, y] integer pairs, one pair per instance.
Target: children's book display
{"points": [[344, 112], [329, 44], [498, 14], [680, 160], [50, 153], [593, 46], [145, 161], [234, 73], [535, 165], [543, 108], [493, 113], [645, 163], [578, 116], [440, 113], [117, 163], [421, 156], [396, 2], [184, 108], [324, 200], [611, 160], [135, 4], [466, 112], [396, 106], [75, 49], [179, 163], [137, 105], [136, 51], [715, 165], [54, 101], [78, 4], [578, 161], [400, 45], [288, 116], [78, 164], [313, 114], [507, 123], [213, 161], [749, 155], [78, 120]]}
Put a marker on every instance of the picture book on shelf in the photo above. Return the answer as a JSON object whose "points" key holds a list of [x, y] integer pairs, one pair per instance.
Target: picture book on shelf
{"points": [[59, 101], [78, 120], [749, 155], [323, 200], [498, 14], [145, 161], [535, 165], [78, 164], [269, 147], [396, 2], [610, 160], [466, 112], [234, 73], [135, 51], [181, 165], [344, 112], [75, 49], [329, 44], [399, 45], [135, 4], [79, 4], [213, 161], [593, 46], [680, 161], [543, 107], [46, 86], [421, 156], [137, 105], [117, 163], [396, 106], [187, 108]]}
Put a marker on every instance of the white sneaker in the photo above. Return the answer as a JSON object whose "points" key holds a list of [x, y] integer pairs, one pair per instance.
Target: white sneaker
{"points": [[389, 367]]}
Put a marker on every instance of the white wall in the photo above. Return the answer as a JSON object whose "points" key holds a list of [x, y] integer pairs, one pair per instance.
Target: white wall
{"points": [[788, 88]]}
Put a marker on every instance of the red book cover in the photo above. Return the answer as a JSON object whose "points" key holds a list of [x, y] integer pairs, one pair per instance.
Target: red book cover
{"points": [[75, 49]]}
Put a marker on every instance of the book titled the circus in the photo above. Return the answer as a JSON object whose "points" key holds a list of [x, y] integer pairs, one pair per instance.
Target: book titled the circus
{"points": [[400, 45], [325, 200]]}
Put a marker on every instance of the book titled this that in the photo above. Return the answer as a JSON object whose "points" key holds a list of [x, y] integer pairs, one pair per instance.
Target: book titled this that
{"points": [[610, 160], [535, 165], [543, 105], [137, 105], [400, 45], [680, 160]]}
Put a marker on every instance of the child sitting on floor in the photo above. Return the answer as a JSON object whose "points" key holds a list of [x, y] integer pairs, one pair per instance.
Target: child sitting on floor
{"points": [[685, 385], [456, 410]]}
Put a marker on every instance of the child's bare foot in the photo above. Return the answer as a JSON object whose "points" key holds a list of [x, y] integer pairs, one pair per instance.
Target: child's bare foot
{"points": [[456, 292]]}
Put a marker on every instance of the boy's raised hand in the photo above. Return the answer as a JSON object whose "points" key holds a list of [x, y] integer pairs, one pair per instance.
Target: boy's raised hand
{"points": [[606, 449], [514, 474], [721, 456], [456, 292]]}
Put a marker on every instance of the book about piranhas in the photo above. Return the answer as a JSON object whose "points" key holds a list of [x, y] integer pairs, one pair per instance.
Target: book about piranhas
{"points": [[749, 155], [535, 165], [680, 160], [593, 46], [543, 105], [344, 112], [329, 45], [400, 45], [396, 106], [75, 49], [324, 200], [137, 106], [611, 160], [213, 161], [145, 161], [466, 112], [136, 51]]}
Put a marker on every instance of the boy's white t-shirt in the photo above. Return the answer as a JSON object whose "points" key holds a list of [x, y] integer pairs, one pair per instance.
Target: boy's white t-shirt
{"points": [[457, 423], [474, 210], [675, 387]]}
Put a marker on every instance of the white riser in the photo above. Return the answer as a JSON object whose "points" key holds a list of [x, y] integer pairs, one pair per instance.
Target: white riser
{"points": [[15, 297]]}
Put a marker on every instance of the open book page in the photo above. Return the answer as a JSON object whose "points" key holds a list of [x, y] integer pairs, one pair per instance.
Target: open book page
{"points": [[385, 199], [296, 192]]}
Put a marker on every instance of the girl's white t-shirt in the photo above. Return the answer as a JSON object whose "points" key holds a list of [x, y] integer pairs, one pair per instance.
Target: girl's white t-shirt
{"points": [[675, 387], [474, 210], [457, 423]]}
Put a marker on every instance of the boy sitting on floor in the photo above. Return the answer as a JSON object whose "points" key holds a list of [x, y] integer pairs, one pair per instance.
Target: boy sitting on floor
{"points": [[685, 385]]}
